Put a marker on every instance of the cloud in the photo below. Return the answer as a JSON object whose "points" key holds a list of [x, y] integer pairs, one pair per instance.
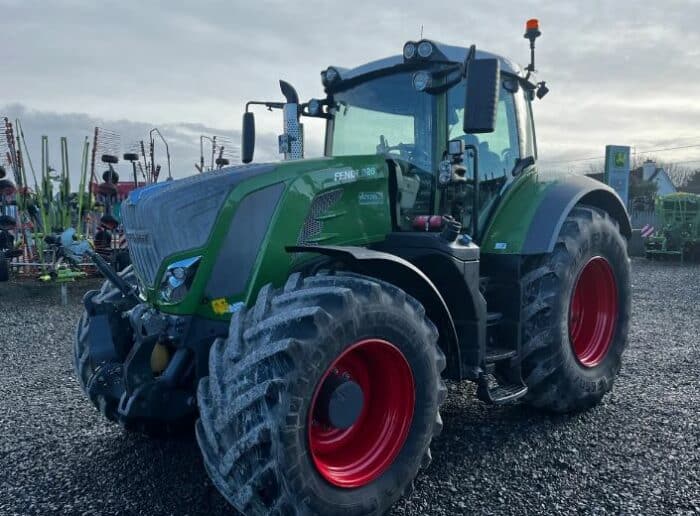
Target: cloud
{"points": [[618, 72], [183, 139]]}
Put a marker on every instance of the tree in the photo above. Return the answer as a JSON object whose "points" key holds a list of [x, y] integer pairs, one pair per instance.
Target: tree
{"points": [[678, 174], [642, 195], [692, 185]]}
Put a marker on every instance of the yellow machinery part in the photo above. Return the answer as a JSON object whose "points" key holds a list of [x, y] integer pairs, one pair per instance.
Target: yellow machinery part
{"points": [[159, 358]]}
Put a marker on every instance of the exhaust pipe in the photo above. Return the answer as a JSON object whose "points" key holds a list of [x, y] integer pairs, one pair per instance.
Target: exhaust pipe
{"points": [[291, 141]]}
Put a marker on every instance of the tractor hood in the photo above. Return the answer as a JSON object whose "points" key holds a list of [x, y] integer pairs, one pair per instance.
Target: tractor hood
{"points": [[166, 218]]}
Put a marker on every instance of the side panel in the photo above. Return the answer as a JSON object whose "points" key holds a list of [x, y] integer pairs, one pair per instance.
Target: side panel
{"points": [[357, 216], [532, 212], [254, 214], [508, 227]]}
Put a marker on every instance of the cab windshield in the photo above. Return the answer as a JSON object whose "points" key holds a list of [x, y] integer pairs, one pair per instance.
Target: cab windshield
{"points": [[385, 116]]}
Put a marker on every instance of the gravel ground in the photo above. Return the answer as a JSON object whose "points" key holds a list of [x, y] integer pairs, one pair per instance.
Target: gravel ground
{"points": [[636, 453]]}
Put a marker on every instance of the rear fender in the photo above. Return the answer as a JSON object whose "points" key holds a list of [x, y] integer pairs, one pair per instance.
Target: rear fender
{"points": [[530, 218]]}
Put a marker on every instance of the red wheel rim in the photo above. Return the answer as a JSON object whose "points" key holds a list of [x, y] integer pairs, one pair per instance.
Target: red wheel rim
{"points": [[355, 456], [593, 312]]}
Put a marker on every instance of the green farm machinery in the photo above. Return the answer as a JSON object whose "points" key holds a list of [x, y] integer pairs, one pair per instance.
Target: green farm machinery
{"points": [[306, 313], [37, 223], [678, 217]]}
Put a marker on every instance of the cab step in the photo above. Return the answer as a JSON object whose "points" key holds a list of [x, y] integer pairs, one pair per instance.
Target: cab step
{"points": [[497, 333], [493, 318], [492, 392], [494, 355]]}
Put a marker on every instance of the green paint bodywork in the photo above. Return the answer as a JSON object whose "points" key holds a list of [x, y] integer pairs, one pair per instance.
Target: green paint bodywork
{"points": [[360, 217], [506, 230]]}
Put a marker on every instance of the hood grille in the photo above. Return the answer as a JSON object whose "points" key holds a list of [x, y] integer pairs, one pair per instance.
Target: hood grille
{"points": [[163, 219]]}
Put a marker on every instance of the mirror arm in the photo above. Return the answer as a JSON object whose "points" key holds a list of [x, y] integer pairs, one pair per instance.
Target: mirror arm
{"points": [[269, 105], [471, 55]]}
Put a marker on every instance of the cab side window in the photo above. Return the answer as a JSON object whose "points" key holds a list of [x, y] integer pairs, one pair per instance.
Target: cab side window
{"points": [[499, 150]]}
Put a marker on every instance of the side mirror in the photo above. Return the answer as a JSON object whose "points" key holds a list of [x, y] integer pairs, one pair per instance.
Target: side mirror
{"points": [[248, 137], [483, 78]]}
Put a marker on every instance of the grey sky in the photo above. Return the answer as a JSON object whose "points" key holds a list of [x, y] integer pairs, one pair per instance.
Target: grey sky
{"points": [[619, 72]]}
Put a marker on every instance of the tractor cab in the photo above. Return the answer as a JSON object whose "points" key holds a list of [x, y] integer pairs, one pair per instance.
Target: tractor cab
{"points": [[411, 109], [454, 125]]}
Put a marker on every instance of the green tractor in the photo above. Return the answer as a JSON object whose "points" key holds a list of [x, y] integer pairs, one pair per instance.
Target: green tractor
{"points": [[678, 215], [306, 313]]}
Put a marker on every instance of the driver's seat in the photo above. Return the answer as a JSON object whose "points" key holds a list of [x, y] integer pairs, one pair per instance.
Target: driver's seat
{"points": [[490, 163]]}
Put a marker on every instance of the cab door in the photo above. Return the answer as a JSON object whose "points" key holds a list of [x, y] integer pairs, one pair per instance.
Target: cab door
{"points": [[498, 152]]}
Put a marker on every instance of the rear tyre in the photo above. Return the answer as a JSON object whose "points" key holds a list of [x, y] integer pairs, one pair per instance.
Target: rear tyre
{"points": [[576, 314], [280, 426]]}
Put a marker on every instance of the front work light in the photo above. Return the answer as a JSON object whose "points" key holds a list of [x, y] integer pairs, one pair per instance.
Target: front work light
{"points": [[422, 80], [177, 279], [329, 76], [425, 49], [314, 107], [409, 50]]}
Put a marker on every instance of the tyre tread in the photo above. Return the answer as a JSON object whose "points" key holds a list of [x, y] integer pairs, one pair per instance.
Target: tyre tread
{"points": [[238, 413]]}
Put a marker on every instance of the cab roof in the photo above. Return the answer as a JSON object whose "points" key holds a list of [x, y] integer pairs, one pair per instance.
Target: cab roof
{"points": [[453, 53]]}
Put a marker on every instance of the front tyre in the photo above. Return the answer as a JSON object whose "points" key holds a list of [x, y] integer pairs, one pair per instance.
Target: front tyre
{"points": [[576, 314], [323, 399], [82, 363]]}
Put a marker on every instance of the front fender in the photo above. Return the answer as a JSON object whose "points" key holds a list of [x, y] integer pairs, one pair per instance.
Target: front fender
{"points": [[403, 274]]}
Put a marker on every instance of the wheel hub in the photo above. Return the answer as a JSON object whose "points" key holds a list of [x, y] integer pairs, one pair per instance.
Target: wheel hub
{"points": [[339, 402], [593, 312], [361, 413]]}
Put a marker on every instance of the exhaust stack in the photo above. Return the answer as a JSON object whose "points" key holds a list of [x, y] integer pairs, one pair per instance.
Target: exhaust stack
{"points": [[291, 141]]}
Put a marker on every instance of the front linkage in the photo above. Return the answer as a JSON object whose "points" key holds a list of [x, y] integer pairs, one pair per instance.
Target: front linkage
{"points": [[139, 372]]}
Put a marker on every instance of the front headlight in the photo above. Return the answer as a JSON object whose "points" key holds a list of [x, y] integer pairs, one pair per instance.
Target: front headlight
{"points": [[178, 279]]}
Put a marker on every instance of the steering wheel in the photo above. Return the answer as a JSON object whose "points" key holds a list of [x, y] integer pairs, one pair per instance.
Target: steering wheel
{"points": [[408, 149], [507, 155]]}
